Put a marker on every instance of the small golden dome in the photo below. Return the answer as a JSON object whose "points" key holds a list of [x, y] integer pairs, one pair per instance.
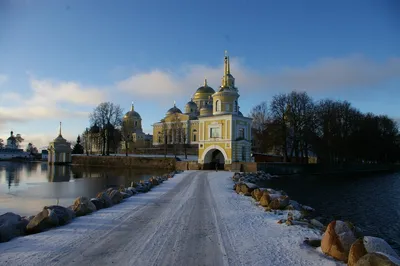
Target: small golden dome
{"points": [[204, 91], [132, 114]]}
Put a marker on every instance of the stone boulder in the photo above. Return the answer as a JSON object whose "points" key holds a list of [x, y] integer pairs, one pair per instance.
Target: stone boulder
{"points": [[154, 181], [11, 225], [64, 215], [127, 191], [377, 259], [44, 220], [265, 199], [316, 223], [98, 203], [238, 187], [115, 196], [125, 195], [258, 192], [279, 203], [105, 199], [367, 245], [247, 188], [83, 206], [132, 190], [337, 240]]}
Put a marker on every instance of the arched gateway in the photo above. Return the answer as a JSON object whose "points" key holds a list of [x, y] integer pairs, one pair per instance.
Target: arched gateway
{"points": [[214, 155]]}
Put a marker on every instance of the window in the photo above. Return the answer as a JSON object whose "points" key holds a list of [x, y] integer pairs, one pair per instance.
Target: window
{"points": [[217, 106], [235, 108], [215, 132], [243, 154], [241, 133], [227, 107], [135, 123], [194, 137]]}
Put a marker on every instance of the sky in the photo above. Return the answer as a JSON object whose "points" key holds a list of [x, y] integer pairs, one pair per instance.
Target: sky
{"points": [[60, 59]]}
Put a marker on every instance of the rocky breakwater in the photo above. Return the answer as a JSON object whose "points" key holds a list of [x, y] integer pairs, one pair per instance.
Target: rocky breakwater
{"points": [[13, 225], [340, 240]]}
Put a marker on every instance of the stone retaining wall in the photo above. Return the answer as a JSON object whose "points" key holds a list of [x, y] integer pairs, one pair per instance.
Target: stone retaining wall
{"points": [[125, 161]]}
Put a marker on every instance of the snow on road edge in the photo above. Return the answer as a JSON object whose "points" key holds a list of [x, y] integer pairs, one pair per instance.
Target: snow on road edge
{"points": [[33, 248], [256, 237]]}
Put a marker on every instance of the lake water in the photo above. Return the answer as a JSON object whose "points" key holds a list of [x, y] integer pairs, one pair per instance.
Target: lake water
{"points": [[371, 202], [25, 188]]}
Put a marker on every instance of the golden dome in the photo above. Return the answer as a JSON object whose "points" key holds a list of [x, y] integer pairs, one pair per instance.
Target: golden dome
{"points": [[132, 114], [204, 91], [190, 107], [174, 110]]}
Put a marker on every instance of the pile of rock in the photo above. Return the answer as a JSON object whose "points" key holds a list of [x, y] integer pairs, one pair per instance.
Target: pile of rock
{"points": [[252, 177], [279, 202], [13, 225], [340, 240], [343, 242]]}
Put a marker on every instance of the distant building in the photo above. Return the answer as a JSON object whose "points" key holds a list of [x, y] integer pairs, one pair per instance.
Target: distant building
{"points": [[45, 155], [138, 139], [59, 150], [12, 142]]}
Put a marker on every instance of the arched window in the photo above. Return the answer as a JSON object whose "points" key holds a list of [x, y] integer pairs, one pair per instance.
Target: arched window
{"points": [[135, 123], [194, 138]]}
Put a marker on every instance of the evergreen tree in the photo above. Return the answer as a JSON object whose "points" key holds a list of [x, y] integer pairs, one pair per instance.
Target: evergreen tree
{"points": [[78, 148]]}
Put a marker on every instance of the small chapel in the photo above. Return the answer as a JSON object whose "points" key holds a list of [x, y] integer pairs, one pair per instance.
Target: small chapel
{"points": [[59, 150]]}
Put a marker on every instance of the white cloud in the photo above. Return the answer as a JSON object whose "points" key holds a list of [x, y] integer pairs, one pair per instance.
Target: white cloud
{"points": [[325, 74], [44, 103], [336, 73], [162, 85], [3, 79]]}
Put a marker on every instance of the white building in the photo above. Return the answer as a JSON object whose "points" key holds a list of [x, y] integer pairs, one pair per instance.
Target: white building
{"points": [[59, 150]]}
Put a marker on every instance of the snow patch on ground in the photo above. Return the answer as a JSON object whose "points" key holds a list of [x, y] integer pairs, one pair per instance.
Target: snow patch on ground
{"points": [[255, 236], [31, 249]]}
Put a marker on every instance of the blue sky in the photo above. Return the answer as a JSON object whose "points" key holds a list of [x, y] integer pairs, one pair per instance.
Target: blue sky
{"points": [[59, 59]]}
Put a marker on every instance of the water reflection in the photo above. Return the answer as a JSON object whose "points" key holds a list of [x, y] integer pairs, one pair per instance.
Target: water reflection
{"points": [[26, 187], [59, 173]]}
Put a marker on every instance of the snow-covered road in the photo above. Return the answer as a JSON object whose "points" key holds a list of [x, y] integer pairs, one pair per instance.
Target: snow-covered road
{"points": [[193, 219]]}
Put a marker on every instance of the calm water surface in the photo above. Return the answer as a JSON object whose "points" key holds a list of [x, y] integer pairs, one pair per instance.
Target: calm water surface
{"points": [[371, 202], [25, 188]]}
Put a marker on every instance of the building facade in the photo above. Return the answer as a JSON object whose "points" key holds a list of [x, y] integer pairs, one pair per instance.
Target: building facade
{"points": [[59, 150], [132, 127], [212, 121]]}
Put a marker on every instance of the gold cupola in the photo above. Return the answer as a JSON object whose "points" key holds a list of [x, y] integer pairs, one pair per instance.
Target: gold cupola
{"points": [[202, 94]]}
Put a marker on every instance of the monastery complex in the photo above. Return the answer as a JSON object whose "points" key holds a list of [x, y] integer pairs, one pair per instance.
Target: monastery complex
{"points": [[212, 121]]}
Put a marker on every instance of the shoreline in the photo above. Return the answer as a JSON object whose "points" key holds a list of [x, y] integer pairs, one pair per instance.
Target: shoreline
{"points": [[247, 184]]}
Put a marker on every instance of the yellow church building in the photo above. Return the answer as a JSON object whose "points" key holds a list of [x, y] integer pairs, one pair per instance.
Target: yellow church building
{"points": [[211, 121]]}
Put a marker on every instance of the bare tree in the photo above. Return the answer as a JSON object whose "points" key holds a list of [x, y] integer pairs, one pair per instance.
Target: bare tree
{"points": [[1, 144], [18, 140], [176, 130], [126, 134], [165, 136], [107, 115], [279, 113], [261, 118], [184, 139]]}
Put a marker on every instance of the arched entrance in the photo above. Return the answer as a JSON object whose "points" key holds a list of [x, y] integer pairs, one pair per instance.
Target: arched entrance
{"points": [[214, 158]]}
